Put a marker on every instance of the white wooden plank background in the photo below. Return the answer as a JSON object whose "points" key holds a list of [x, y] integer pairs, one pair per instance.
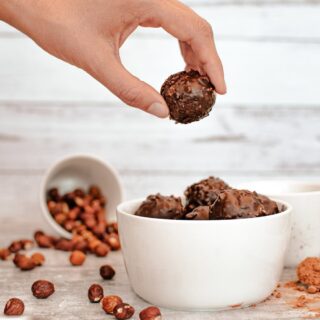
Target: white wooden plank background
{"points": [[267, 126]]}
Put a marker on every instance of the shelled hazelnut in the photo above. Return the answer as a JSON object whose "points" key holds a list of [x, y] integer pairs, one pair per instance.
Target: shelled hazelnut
{"points": [[123, 311], [108, 303], [38, 258], [15, 246], [42, 289], [95, 293], [77, 258], [5, 254], [83, 214], [107, 272], [150, 313], [23, 262], [43, 240], [14, 307]]}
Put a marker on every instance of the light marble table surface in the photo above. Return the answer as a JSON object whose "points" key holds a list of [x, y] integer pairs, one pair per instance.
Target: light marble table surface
{"points": [[70, 299]]}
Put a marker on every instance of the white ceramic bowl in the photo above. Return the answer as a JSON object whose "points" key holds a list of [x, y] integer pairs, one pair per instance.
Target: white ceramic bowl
{"points": [[203, 265], [304, 197], [81, 171]]}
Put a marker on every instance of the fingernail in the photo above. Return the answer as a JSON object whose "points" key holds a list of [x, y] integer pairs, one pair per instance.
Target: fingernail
{"points": [[159, 110]]}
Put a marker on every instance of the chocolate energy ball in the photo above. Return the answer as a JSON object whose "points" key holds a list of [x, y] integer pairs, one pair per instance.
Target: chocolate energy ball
{"points": [[204, 192], [189, 96], [161, 207], [233, 204], [199, 213]]}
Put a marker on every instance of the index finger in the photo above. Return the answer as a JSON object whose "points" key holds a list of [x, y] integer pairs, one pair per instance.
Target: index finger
{"points": [[185, 25]]}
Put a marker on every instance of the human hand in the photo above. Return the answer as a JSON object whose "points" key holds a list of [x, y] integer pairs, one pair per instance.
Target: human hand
{"points": [[89, 34]]}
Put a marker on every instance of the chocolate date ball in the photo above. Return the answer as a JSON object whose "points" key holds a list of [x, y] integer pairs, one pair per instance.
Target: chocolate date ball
{"points": [[189, 96], [233, 204], [161, 207], [204, 192]]}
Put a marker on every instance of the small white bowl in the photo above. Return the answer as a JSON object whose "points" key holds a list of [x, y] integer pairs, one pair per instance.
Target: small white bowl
{"points": [[81, 171], [203, 265], [304, 196]]}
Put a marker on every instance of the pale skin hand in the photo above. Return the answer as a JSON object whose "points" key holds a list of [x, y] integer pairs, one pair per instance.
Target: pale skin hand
{"points": [[89, 34]]}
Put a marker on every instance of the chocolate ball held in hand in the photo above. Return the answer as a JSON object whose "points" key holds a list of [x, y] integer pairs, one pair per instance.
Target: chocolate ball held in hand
{"points": [[161, 207], [189, 96]]}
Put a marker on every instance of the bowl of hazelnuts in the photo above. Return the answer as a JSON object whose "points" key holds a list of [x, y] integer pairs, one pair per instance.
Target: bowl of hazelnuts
{"points": [[80, 193], [215, 248]]}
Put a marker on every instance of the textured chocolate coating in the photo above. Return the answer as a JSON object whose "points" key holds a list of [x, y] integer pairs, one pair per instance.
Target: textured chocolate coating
{"points": [[204, 192], [189, 96], [161, 207], [233, 204]]}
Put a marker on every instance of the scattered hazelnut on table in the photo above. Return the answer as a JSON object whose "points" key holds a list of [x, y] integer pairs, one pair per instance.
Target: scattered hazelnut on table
{"points": [[64, 245], [123, 311], [77, 258], [108, 303], [101, 250], [43, 240], [42, 289], [27, 244], [107, 272], [150, 313], [23, 262], [95, 293], [15, 246], [113, 241], [5, 254], [14, 307], [38, 258]]}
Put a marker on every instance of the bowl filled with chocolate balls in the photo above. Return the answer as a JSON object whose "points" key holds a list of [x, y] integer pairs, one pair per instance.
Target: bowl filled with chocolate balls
{"points": [[215, 248], [81, 193]]}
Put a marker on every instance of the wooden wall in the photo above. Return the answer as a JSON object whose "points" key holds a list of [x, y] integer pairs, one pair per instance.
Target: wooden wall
{"points": [[267, 126]]}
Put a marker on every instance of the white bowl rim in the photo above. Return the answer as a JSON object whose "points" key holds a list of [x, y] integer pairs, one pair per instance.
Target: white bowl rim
{"points": [[287, 182], [48, 172], [121, 211]]}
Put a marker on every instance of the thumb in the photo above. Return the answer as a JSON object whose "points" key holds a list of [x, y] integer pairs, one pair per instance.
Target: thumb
{"points": [[131, 90]]}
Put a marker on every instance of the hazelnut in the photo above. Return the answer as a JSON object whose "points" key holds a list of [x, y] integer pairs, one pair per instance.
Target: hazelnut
{"points": [[5, 253], [101, 250], [107, 272], [113, 241], [112, 227], [123, 311], [60, 218], [94, 191], [64, 245], [93, 243], [42, 289], [43, 240], [38, 258], [108, 303], [15, 246], [53, 194], [14, 307], [95, 293], [23, 262], [150, 313], [77, 258], [81, 245], [26, 244]]}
